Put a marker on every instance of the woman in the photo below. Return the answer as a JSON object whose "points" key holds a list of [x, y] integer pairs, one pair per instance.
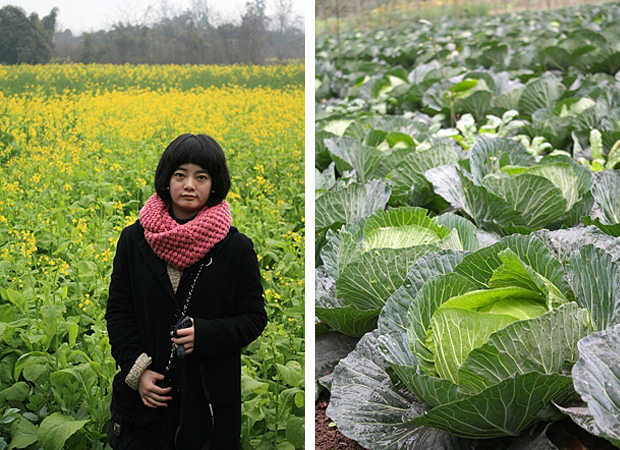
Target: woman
{"points": [[182, 260]]}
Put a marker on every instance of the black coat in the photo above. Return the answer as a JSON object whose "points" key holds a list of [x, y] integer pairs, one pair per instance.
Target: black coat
{"points": [[227, 308]]}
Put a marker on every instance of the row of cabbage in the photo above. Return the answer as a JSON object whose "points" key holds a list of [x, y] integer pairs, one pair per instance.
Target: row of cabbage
{"points": [[474, 248]]}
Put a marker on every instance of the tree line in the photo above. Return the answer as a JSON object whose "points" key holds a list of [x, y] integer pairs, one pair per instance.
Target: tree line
{"points": [[189, 37]]}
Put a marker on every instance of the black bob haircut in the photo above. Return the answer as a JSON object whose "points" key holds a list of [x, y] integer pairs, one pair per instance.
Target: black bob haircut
{"points": [[198, 149]]}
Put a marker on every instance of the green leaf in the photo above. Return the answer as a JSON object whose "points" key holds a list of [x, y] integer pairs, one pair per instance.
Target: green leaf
{"points": [[73, 330], [348, 320], [295, 432], [56, 429], [23, 433], [478, 104], [481, 266], [18, 299], [611, 230], [465, 229], [341, 248], [446, 181], [514, 272], [486, 300], [18, 392], [398, 217], [562, 176], [251, 385], [394, 314], [409, 180], [291, 373], [463, 86]]}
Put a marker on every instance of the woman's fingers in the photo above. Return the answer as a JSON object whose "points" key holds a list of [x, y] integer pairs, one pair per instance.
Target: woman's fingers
{"points": [[185, 337], [152, 395]]}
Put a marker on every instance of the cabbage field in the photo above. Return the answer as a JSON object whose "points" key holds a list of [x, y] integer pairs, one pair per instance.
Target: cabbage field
{"points": [[467, 215], [78, 149]]}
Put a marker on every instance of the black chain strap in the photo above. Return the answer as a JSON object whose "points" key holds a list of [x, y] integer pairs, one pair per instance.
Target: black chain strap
{"points": [[168, 371]]}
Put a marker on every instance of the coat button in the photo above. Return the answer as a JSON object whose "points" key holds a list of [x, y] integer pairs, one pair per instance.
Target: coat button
{"points": [[177, 313]]}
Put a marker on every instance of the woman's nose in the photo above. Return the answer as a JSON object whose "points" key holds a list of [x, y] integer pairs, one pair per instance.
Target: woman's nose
{"points": [[189, 183]]}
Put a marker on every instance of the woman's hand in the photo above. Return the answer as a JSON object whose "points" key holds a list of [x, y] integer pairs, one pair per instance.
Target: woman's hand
{"points": [[185, 338], [152, 395]]}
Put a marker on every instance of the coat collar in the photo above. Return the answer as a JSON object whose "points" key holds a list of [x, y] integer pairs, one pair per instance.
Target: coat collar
{"points": [[158, 266]]}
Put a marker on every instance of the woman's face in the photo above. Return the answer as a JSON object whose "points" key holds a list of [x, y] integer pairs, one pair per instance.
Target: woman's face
{"points": [[190, 187]]}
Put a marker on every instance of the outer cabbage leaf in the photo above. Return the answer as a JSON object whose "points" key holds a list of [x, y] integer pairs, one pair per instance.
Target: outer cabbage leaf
{"points": [[540, 93], [408, 180], [363, 280], [368, 407], [509, 192], [595, 279], [348, 153], [347, 319], [342, 206], [596, 377], [563, 176], [505, 409], [393, 317], [465, 229], [489, 155], [480, 267], [564, 244], [537, 200], [606, 192], [369, 280]]}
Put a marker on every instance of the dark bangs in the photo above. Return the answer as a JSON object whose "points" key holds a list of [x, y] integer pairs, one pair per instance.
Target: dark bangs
{"points": [[198, 149]]}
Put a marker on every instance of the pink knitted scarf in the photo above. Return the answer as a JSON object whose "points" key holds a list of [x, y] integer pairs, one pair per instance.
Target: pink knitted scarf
{"points": [[182, 245]]}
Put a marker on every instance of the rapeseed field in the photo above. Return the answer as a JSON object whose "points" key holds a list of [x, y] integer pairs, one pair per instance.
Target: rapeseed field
{"points": [[78, 148]]}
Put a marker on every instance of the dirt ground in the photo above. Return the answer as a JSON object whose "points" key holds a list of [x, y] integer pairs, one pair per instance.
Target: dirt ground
{"points": [[326, 437]]}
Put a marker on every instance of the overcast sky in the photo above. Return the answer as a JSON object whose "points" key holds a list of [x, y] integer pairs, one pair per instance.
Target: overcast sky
{"points": [[93, 15]]}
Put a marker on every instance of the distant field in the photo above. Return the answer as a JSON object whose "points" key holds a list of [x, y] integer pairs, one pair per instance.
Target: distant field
{"points": [[350, 15]]}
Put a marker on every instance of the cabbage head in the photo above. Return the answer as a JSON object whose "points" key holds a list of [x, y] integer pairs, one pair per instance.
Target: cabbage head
{"points": [[476, 345]]}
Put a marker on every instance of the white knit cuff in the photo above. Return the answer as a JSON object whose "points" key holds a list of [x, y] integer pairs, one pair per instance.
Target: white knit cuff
{"points": [[133, 377]]}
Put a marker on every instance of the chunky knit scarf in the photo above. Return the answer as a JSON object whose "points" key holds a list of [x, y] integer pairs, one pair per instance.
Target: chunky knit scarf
{"points": [[182, 245]]}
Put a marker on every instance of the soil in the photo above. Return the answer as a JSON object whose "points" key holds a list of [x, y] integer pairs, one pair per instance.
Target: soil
{"points": [[328, 437]]}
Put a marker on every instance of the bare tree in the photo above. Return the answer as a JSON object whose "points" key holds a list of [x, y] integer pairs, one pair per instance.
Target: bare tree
{"points": [[283, 15]]}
